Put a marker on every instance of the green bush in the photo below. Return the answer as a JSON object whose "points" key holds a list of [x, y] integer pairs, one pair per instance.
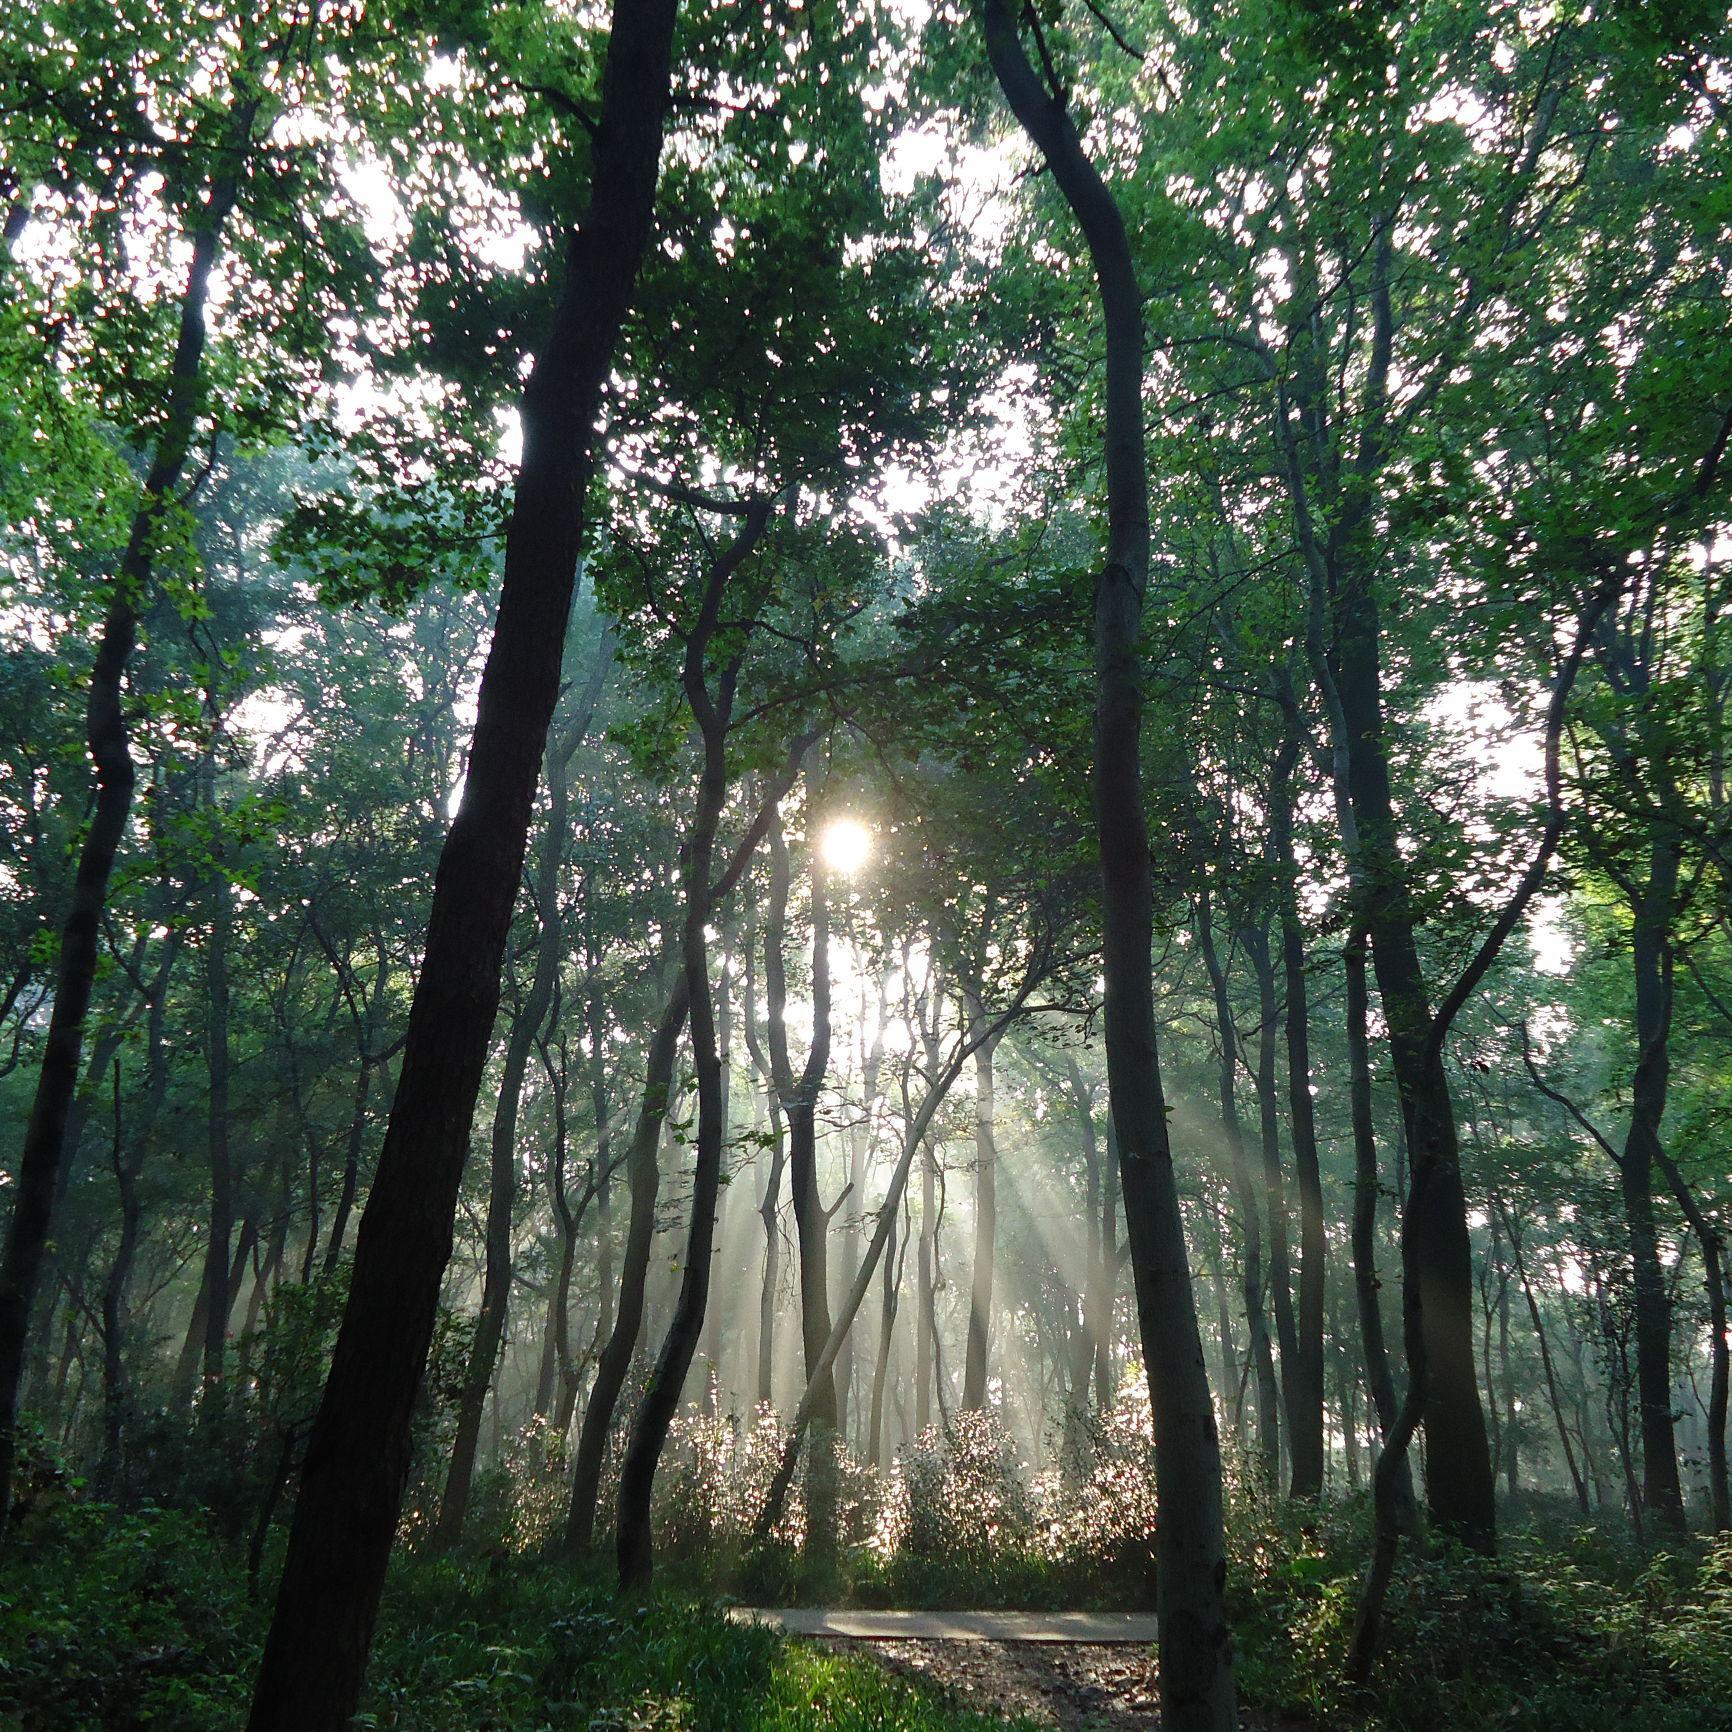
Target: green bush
{"points": [[121, 1622]]}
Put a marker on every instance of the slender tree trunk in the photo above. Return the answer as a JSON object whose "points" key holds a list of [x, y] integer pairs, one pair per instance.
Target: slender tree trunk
{"points": [[1250, 1225], [105, 730], [799, 1098], [893, 1265], [357, 1457], [1713, 1249], [1196, 1667], [985, 1232], [1651, 959], [643, 1182], [925, 1321], [1367, 1287], [770, 1197], [1305, 1377], [217, 1068], [661, 1399], [1458, 1471]]}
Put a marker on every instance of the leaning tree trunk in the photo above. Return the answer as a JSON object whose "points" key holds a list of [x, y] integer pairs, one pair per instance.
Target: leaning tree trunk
{"points": [[357, 1458], [1196, 1666], [643, 1181], [44, 1148], [502, 1172], [711, 712], [1437, 1251]]}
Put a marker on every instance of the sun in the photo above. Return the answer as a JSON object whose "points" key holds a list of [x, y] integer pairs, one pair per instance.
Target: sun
{"points": [[845, 845]]}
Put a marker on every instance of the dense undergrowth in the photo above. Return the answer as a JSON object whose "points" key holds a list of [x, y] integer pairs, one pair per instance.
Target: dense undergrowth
{"points": [[113, 1620]]}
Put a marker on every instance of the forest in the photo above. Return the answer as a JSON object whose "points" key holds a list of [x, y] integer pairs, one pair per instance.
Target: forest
{"points": [[914, 806]]}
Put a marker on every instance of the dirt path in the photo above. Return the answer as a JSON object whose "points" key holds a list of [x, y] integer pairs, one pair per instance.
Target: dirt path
{"points": [[1071, 1686], [1070, 1671]]}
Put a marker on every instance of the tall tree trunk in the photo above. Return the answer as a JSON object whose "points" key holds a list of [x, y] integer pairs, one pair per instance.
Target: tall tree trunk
{"points": [[925, 1320], [712, 713], [217, 1070], [1458, 1473], [1713, 1249], [859, 1143], [1250, 1225], [43, 1152], [1367, 1286], [799, 1098], [1651, 961], [643, 1182], [893, 1266], [1305, 1376], [1552, 1393], [770, 1190], [502, 1170], [1196, 1668], [985, 1230], [1256, 942], [715, 1316], [357, 1456]]}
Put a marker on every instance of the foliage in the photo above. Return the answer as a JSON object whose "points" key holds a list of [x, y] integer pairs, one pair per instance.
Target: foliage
{"points": [[111, 1622]]}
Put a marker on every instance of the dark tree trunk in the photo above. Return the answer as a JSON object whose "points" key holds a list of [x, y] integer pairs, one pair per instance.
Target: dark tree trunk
{"points": [[357, 1457], [1458, 1472], [985, 1232], [502, 1171], [886, 1344], [799, 1098], [1196, 1668], [1305, 1376], [1293, 1397], [1250, 1223], [643, 1182], [43, 1153], [770, 1199], [1651, 960], [217, 1070], [925, 1320], [712, 712], [1557, 1405]]}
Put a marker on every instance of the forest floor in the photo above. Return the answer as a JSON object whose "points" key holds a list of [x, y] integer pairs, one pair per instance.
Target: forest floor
{"points": [[1072, 1686], [1068, 1686]]}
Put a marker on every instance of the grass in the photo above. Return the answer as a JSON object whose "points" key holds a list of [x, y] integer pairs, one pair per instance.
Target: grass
{"points": [[119, 1623], [132, 1622]]}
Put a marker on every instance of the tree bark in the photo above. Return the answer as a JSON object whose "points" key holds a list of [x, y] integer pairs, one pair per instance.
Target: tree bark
{"points": [[41, 1157], [1651, 961], [1196, 1673], [799, 1099], [643, 1181], [1250, 1224], [712, 713], [1305, 1378], [357, 1458], [985, 1231], [502, 1173]]}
